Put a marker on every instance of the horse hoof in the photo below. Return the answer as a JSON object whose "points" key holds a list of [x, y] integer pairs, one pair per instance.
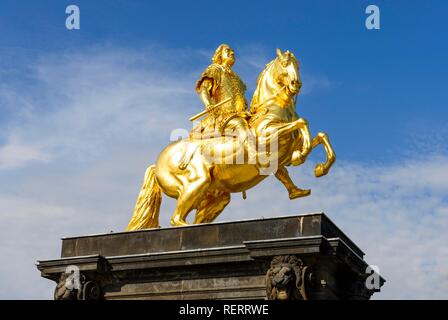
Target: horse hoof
{"points": [[320, 171], [178, 222]]}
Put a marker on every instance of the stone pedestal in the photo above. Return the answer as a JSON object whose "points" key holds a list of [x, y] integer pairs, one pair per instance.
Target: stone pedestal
{"points": [[294, 257]]}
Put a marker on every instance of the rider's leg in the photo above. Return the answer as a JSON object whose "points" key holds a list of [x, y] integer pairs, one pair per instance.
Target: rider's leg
{"points": [[293, 190], [239, 126], [196, 134], [186, 157]]}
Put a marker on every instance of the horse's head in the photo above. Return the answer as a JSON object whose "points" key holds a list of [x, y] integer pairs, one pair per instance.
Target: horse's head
{"points": [[278, 83], [286, 72]]}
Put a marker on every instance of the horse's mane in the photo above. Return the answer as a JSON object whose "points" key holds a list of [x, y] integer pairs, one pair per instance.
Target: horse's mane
{"points": [[254, 102]]}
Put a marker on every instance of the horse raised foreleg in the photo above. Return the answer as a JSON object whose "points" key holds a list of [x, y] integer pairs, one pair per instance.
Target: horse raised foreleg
{"points": [[277, 130], [322, 169], [299, 156]]}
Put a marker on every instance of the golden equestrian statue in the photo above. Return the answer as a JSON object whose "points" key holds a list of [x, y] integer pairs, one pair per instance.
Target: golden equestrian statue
{"points": [[232, 149]]}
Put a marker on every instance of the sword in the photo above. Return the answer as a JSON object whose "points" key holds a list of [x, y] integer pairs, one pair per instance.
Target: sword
{"points": [[203, 113]]}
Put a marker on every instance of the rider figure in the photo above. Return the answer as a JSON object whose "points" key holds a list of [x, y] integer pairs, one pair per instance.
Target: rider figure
{"points": [[219, 83]]}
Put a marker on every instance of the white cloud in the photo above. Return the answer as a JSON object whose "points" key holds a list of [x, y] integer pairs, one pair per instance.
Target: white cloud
{"points": [[15, 154], [93, 122]]}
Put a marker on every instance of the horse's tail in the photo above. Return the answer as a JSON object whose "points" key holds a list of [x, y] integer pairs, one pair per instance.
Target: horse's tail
{"points": [[146, 211]]}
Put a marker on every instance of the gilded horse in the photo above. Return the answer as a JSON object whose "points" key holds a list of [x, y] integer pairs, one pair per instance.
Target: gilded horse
{"points": [[205, 184]]}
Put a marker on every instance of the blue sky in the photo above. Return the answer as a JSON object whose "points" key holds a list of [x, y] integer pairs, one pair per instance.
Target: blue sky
{"points": [[385, 84], [83, 112]]}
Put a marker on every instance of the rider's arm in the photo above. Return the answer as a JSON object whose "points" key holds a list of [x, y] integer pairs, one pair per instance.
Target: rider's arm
{"points": [[204, 92]]}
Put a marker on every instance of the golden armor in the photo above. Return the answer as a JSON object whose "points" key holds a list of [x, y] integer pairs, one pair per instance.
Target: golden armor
{"points": [[220, 84]]}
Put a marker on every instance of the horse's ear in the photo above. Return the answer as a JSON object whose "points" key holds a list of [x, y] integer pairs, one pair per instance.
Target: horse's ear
{"points": [[279, 53]]}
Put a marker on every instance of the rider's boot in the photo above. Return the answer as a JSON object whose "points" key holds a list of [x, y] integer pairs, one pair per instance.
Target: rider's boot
{"points": [[293, 191]]}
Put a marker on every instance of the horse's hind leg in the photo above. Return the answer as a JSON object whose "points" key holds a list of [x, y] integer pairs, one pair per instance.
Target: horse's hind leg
{"points": [[211, 206], [193, 192]]}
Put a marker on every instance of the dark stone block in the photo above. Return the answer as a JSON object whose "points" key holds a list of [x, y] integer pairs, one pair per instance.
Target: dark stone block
{"points": [[226, 260]]}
